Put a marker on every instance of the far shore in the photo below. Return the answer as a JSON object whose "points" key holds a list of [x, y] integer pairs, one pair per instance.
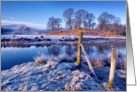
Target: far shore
{"points": [[72, 40], [87, 36], [50, 36]]}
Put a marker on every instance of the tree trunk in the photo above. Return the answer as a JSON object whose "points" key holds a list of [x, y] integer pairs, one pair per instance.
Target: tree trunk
{"points": [[80, 24], [89, 25], [103, 27], [58, 27], [69, 27]]}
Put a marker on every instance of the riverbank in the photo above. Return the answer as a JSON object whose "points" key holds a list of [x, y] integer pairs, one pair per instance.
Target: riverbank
{"points": [[60, 74], [86, 32], [58, 40]]}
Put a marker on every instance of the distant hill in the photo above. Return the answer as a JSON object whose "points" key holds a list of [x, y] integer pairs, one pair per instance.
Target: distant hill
{"points": [[13, 27], [5, 31], [21, 30]]}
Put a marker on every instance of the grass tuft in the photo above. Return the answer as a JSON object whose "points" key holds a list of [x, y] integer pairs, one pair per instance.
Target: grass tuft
{"points": [[97, 63], [40, 59]]}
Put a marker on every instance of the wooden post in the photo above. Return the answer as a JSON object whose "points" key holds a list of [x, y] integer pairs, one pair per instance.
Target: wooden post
{"points": [[88, 61], [79, 47], [112, 69]]}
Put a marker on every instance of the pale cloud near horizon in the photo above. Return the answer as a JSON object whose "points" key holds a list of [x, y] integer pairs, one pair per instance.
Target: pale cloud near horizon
{"points": [[12, 18], [12, 22]]}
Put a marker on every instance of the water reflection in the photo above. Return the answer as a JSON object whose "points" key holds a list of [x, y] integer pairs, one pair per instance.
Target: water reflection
{"points": [[18, 55], [53, 50], [70, 50]]}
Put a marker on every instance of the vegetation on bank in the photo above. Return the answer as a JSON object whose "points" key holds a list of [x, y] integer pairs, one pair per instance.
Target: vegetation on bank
{"points": [[86, 32], [96, 61], [62, 71]]}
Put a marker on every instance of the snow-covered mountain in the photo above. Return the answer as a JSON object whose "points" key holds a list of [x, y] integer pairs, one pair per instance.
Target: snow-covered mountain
{"points": [[21, 30], [12, 27]]}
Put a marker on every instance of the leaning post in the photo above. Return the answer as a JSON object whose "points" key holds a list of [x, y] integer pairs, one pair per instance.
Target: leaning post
{"points": [[112, 69], [79, 47]]}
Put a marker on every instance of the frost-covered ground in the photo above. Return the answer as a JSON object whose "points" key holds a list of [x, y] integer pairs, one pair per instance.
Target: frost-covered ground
{"points": [[59, 74]]}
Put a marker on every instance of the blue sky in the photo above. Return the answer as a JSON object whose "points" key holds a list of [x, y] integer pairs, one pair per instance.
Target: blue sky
{"points": [[36, 13]]}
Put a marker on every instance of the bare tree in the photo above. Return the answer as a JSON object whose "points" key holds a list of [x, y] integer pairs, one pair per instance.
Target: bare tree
{"points": [[103, 20], [111, 19], [57, 23], [116, 24], [90, 18], [68, 14], [93, 25], [69, 25], [85, 24], [109, 22], [122, 30], [51, 24], [75, 23], [80, 16]]}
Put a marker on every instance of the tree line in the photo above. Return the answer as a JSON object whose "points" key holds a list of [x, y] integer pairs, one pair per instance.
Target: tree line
{"points": [[83, 19]]}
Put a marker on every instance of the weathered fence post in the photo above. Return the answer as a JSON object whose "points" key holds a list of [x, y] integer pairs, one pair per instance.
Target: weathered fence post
{"points": [[79, 47], [112, 69], [88, 61]]}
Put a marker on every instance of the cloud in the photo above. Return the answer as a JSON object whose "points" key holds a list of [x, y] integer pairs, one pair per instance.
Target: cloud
{"points": [[34, 25], [12, 18]]}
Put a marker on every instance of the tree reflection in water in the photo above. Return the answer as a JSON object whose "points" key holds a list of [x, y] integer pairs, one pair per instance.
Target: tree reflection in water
{"points": [[53, 50]]}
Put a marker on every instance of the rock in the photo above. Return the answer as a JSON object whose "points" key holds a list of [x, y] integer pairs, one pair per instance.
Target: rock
{"points": [[20, 89], [75, 79], [58, 78], [78, 87], [59, 73], [76, 72], [43, 86], [81, 76], [34, 88], [67, 87], [25, 88]]}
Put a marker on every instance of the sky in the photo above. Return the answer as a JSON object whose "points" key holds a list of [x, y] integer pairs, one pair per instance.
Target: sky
{"points": [[36, 13]]}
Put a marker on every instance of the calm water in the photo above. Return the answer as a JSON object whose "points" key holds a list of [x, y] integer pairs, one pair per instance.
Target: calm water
{"points": [[11, 56]]}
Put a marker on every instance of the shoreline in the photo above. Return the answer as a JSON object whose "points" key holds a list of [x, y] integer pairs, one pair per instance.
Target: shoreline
{"points": [[59, 41], [42, 43], [87, 36], [56, 73]]}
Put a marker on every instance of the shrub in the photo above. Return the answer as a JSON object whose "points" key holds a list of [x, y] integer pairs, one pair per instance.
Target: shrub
{"points": [[38, 40], [40, 59], [125, 63], [121, 63], [74, 56], [110, 33], [36, 37], [65, 58], [47, 39], [97, 63]]}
